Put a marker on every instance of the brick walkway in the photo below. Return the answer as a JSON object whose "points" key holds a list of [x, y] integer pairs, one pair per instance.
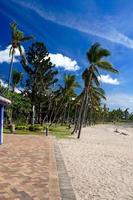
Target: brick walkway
{"points": [[28, 169]]}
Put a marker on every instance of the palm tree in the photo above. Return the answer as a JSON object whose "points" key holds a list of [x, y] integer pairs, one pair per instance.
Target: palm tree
{"points": [[96, 94], [90, 76], [17, 38], [16, 78], [65, 94], [68, 92]]}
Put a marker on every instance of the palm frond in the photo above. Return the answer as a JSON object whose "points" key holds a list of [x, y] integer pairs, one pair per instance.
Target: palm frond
{"points": [[103, 53], [91, 54], [105, 65], [95, 79], [26, 38]]}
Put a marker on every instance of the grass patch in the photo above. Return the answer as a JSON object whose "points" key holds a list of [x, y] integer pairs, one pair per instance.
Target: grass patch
{"points": [[23, 132], [61, 132]]}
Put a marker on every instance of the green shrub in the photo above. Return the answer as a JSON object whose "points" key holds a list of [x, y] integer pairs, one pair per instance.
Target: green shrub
{"points": [[21, 127], [38, 127], [31, 128]]}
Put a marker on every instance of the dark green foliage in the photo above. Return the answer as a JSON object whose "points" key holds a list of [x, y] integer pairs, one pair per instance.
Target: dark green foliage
{"points": [[40, 71], [16, 78], [41, 76], [31, 128], [36, 127], [20, 107], [21, 127]]}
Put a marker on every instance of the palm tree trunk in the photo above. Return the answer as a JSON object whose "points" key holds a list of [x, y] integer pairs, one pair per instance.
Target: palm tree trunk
{"points": [[68, 113], [79, 117], [90, 118], [64, 115], [83, 113], [10, 73], [57, 111], [75, 119], [85, 116], [50, 119]]}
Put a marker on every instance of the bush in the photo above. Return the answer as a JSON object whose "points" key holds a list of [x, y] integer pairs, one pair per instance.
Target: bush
{"points": [[36, 127], [31, 128], [21, 127]]}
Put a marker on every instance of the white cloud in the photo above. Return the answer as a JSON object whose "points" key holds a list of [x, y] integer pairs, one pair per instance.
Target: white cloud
{"points": [[4, 55], [63, 61], [5, 85], [120, 100], [107, 79], [101, 28]]}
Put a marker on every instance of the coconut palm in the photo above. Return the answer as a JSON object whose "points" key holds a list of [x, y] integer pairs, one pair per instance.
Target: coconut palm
{"points": [[16, 40], [95, 56], [65, 94], [16, 78], [68, 91], [96, 94]]}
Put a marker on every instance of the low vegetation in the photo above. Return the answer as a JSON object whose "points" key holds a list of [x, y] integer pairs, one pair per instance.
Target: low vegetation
{"points": [[60, 132]]}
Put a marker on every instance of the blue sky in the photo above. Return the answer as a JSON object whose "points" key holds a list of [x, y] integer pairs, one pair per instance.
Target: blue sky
{"points": [[68, 28]]}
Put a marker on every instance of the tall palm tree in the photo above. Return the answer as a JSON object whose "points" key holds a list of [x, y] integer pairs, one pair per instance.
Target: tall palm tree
{"points": [[17, 38], [95, 96], [95, 56], [16, 78], [66, 92], [70, 84]]}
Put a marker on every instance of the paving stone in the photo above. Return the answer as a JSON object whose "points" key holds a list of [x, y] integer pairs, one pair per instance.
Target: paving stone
{"points": [[28, 168]]}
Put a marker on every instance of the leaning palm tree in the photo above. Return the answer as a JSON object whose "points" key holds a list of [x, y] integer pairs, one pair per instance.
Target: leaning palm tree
{"points": [[17, 38], [65, 94], [16, 78], [95, 96], [70, 84], [95, 56]]}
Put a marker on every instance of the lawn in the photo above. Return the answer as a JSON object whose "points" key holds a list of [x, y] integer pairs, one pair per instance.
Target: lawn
{"points": [[58, 131]]}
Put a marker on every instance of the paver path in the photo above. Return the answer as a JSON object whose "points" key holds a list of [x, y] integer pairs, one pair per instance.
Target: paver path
{"points": [[28, 168]]}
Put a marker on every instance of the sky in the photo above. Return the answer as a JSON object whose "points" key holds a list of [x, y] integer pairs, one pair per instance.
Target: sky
{"points": [[68, 29]]}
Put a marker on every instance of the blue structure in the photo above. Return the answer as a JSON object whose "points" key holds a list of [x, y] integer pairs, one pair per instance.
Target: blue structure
{"points": [[3, 103]]}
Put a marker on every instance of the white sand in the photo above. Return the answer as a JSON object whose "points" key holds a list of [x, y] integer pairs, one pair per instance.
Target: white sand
{"points": [[100, 163]]}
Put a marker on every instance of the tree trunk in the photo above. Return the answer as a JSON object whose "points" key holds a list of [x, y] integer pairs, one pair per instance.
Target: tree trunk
{"points": [[68, 114], [33, 115], [64, 115], [10, 73], [80, 113], [83, 113], [57, 112]]}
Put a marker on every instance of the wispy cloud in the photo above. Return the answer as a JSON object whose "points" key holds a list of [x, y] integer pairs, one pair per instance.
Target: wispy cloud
{"points": [[120, 100], [63, 61], [101, 28], [4, 55], [108, 80]]}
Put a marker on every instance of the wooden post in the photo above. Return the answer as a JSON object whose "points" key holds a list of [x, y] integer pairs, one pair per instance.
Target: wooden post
{"points": [[1, 123]]}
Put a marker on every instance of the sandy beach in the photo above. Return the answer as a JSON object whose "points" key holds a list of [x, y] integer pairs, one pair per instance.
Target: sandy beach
{"points": [[100, 163]]}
